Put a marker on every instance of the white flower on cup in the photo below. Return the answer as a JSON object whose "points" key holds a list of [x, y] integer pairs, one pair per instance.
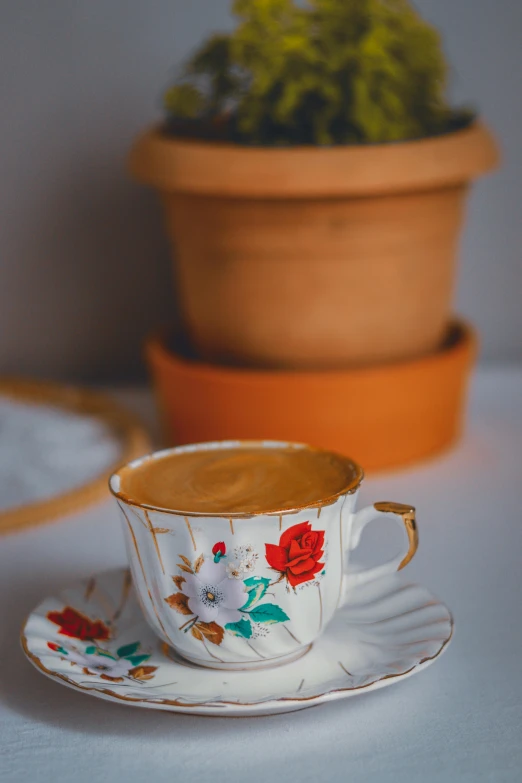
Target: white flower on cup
{"points": [[249, 566], [235, 570], [246, 562], [212, 595]]}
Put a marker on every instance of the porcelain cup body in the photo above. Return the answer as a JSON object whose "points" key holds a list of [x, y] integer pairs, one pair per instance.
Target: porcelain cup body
{"points": [[239, 591]]}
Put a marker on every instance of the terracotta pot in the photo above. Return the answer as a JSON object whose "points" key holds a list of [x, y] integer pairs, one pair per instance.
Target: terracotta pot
{"points": [[380, 416], [314, 257]]}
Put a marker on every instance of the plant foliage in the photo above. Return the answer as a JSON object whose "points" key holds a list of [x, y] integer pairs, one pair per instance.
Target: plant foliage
{"points": [[328, 72]]}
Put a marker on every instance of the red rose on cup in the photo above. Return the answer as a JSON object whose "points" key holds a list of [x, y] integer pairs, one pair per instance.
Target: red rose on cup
{"points": [[299, 553], [77, 626]]}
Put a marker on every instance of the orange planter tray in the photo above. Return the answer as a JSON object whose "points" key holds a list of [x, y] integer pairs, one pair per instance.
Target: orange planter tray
{"points": [[382, 416]]}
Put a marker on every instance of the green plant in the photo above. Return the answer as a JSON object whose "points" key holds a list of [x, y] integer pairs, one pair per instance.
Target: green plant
{"points": [[328, 72]]}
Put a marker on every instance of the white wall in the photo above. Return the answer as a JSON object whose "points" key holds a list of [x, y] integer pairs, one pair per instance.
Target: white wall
{"points": [[84, 266]]}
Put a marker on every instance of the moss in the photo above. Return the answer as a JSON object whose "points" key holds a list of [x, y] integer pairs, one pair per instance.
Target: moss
{"points": [[329, 72]]}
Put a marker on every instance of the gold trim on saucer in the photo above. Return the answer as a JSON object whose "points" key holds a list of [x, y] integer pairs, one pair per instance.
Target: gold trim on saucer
{"points": [[186, 706]]}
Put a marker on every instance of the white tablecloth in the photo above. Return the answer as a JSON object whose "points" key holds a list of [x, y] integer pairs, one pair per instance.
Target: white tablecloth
{"points": [[461, 720]]}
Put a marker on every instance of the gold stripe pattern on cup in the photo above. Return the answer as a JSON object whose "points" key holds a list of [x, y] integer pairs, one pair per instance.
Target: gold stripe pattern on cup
{"points": [[135, 543], [254, 650], [320, 607], [189, 527], [211, 653], [137, 516], [287, 629], [153, 533]]}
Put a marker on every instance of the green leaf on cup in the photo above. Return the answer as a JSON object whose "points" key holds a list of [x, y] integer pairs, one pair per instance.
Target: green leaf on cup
{"points": [[268, 614], [256, 587], [241, 628]]}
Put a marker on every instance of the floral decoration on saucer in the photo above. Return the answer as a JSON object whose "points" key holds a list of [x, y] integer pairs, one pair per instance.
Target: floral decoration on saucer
{"points": [[93, 637]]}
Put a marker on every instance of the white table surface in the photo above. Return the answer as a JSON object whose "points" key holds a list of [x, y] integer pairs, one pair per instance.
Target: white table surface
{"points": [[461, 720]]}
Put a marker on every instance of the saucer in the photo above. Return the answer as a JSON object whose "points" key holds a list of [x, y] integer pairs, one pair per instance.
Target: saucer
{"points": [[92, 637]]}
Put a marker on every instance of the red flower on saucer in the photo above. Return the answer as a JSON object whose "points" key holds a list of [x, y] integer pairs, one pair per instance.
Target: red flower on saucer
{"points": [[76, 625], [299, 553]]}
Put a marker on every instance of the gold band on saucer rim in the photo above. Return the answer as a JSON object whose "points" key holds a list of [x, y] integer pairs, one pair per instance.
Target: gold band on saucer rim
{"points": [[185, 706]]}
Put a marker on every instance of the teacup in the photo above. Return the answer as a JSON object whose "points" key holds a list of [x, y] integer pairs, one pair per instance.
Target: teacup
{"points": [[249, 590]]}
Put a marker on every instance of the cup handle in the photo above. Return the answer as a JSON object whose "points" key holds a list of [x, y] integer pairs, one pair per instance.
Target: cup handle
{"points": [[404, 515]]}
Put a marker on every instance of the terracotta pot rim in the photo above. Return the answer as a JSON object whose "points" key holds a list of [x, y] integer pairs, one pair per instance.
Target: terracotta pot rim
{"points": [[215, 167], [158, 131], [464, 343]]}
